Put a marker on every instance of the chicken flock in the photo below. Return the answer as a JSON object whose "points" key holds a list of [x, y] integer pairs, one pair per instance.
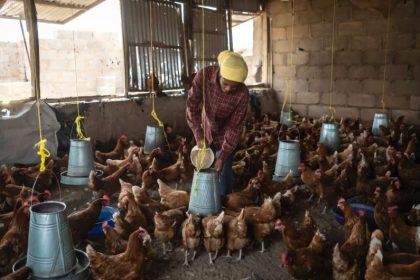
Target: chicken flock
{"points": [[149, 193]]}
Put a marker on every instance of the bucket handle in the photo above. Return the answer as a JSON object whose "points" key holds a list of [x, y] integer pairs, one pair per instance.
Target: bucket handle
{"points": [[36, 179]]}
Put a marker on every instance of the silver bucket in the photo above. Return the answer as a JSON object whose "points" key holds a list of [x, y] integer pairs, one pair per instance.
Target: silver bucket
{"points": [[80, 158], [330, 137], [378, 120], [205, 193], [286, 118], [288, 158], [50, 245], [154, 138]]}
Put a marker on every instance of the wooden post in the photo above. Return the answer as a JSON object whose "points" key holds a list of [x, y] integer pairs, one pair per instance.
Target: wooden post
{"points": [[31, 25], [229, 18], [124, 20]]}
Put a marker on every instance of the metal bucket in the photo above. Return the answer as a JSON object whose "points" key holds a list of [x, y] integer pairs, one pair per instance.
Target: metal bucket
{"points": [[288, 158], [286, 118], [378, 120], [80, 158], [205, 193], [154, 138], [329, 137], [50, 245]]}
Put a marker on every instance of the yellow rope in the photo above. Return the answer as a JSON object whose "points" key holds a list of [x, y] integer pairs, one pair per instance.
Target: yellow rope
{"points": [[331, 107], [42, 152], [78, 120], [153, 93], [202, 152], [386, 57], [288, 84]]}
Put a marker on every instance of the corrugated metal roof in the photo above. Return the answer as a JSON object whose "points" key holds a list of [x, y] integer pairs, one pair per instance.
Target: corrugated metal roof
{"points": [[55, 11]]}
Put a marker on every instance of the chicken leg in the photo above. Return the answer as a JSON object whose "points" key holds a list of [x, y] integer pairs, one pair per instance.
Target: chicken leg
{"points": [[228, 254], [186, 258], [240, 255], [215, 255], [262, 247], [194, 253], [210, 259]]}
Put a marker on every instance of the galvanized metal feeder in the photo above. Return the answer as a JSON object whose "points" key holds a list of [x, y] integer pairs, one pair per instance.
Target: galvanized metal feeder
{"points": [[80, 163], [330, 137], [155, 138], [205, 193], [380, 119], [51, 254], [288, 159]]}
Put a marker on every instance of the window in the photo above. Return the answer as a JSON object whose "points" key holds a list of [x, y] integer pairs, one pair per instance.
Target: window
{"points": [[167, 59], [83, 56]]}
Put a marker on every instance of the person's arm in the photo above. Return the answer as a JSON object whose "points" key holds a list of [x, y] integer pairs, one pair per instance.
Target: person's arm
{"points": [[234, 129], [194, 107]]}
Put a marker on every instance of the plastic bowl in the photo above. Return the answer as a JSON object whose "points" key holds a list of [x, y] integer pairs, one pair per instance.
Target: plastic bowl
{"points": [[106, 215], [369, 211]]}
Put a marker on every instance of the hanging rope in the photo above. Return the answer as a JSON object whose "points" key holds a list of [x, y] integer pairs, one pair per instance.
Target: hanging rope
{"points": [[153, 93], [386, 57], [202, 152], [79, 118], [288, 84], [331, 107]]}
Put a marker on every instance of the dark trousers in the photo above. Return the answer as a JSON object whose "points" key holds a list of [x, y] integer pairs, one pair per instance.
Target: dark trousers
{"points": [[226, 177]]}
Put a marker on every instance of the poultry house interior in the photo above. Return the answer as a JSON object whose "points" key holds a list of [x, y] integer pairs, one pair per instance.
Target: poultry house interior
{"points": [[319, 119]]}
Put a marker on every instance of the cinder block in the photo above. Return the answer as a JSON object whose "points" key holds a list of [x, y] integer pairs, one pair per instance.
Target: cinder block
{"points": [[319, 58], [302, 5], [348, 58], [375, 57], [376, 27], [282, 46], [375, 86], [367, 115], [361, 100], [347, 112], [278, 33], [320, 29], [296, 85], [398, 72], [299, 31], [365, 14], [408, 25], [278, 7], [307, 72], [299, 58], [394, 101], [365, 43], [351, 28], [319, 85], [348, 86], [322, 4], [402, 87], [364, 72], [415, 102], [337, 99], [317, 111], [279, 59], [311, 16], [339, 72], [410, 116], [416, 70], [285, 71], [310, 44], [282, 20], [341, 43], [411, 57], [301, 109], [307, 97], [400, 41]]}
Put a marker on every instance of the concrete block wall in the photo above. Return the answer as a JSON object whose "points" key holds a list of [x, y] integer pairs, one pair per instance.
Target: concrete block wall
{"points": [[99, 65], [359, 57]]}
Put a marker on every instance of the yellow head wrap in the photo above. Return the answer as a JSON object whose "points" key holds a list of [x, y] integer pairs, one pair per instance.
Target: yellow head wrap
{"points": [[232, 66]]}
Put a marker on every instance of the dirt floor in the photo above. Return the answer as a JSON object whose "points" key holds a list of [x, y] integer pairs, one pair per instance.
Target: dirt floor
{"points": [[253, 265]]}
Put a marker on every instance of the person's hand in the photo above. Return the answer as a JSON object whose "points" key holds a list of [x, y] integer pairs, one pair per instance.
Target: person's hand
{"points": [[200, 143], [219, 165]]}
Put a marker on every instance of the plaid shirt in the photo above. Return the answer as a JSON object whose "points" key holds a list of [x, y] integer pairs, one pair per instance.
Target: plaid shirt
{"points": [[224, 112]]}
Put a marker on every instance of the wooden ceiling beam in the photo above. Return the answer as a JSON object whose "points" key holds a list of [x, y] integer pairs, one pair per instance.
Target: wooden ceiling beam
{"points": [[55, 4]]}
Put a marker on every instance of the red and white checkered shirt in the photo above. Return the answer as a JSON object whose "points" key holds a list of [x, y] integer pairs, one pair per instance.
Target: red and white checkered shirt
{"points": [[224, 112]]}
